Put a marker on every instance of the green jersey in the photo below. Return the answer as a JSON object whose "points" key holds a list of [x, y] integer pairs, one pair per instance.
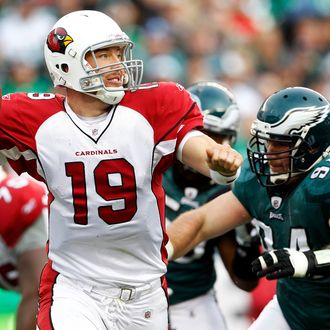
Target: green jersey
{"points": [[296, 219], [193, 274]]}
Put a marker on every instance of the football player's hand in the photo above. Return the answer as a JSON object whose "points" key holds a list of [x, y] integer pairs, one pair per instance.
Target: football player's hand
{"points": [[283, 263], [224, 159]]}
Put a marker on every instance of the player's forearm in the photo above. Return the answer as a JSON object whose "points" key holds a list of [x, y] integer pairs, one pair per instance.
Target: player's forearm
{"points": [[210, 220], [184, 233], [194, 153], [237, 261], [245, 284], [242, 274], [319, 262], [220, 162], [26, 313]]}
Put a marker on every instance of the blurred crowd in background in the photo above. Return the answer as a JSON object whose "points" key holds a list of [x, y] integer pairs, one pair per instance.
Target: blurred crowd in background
{"points": [[254, 47]]}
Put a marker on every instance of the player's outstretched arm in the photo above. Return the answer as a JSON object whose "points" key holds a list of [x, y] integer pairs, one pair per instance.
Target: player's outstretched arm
{"points": [[31, 259], [218, 161], [238, 249], [292, 263], [210, 220], [30, 265]]}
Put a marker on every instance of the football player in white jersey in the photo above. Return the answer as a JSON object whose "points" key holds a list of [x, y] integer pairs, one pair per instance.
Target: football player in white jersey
{"points": [[23, 235], [102, 151]]}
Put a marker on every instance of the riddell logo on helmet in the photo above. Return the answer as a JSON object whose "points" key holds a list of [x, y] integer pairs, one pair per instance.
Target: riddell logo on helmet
{"points": [[57, 40]]}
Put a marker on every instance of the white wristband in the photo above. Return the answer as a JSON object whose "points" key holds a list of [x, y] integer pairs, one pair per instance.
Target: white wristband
{"points": [[170, 250], [299, 262], [221, 179]]}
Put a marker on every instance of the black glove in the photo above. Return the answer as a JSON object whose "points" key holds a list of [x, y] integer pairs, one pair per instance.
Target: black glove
{"points": [[291, 263]]}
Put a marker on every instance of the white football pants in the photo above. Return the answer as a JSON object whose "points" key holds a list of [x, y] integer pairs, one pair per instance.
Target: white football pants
{"points": [[76, 306], [271, 318], [199, 313]]}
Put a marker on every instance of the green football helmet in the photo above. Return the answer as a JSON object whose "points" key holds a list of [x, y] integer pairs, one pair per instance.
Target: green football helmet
{"points": [[221, 119], [298, 117], [220, 110]]}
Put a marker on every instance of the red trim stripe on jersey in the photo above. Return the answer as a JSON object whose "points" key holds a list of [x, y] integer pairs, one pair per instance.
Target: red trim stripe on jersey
{"points": [[157, 189], [47, 281]]}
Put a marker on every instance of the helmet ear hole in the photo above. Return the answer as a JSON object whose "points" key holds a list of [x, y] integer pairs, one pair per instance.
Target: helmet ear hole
{"points": [[65, 67]]}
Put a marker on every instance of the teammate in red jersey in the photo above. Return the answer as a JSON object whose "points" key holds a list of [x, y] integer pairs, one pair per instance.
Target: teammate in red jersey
{"points": [[102, 151], [23, 236]]}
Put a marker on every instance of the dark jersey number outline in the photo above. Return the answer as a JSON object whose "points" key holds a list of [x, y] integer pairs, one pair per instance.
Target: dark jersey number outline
{"points": [[114, 181]]}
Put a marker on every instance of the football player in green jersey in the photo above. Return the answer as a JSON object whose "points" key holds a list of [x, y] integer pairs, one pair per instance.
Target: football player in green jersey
{"points": [[285, 184], [192, 277]]}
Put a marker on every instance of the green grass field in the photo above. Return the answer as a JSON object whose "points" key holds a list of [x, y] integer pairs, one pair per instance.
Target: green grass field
{"points": [[8, 305]]}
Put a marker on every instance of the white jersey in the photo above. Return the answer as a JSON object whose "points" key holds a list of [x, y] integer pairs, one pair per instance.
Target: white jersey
{"points": [[107, 223]]}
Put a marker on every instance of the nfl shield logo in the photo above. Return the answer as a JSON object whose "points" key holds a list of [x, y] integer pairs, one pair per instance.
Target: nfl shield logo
{"points": [[191, 193], [276, 202]]}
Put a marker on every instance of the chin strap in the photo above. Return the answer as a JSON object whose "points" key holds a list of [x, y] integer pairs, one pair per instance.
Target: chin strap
{"points": [[110, 98], [279, 178]]}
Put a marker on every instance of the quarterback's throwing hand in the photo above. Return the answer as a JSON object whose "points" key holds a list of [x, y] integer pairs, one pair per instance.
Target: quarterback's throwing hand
{"points": [[224, 159]]}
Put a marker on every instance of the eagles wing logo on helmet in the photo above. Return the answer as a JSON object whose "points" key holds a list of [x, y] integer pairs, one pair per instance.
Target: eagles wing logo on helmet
{"points": [[299, 119], [57, 40]]}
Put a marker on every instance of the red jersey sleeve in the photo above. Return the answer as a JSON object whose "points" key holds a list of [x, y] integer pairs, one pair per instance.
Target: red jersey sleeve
{"points": [[21, 203], [169, 109], [180, 113], [21, 115]]}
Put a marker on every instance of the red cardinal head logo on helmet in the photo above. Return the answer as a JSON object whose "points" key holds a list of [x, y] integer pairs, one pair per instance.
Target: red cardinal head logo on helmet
{"points": [[58, 39]]}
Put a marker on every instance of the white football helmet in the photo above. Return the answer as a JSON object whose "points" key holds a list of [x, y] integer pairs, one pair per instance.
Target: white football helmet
{"points": [[78, 33]]}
